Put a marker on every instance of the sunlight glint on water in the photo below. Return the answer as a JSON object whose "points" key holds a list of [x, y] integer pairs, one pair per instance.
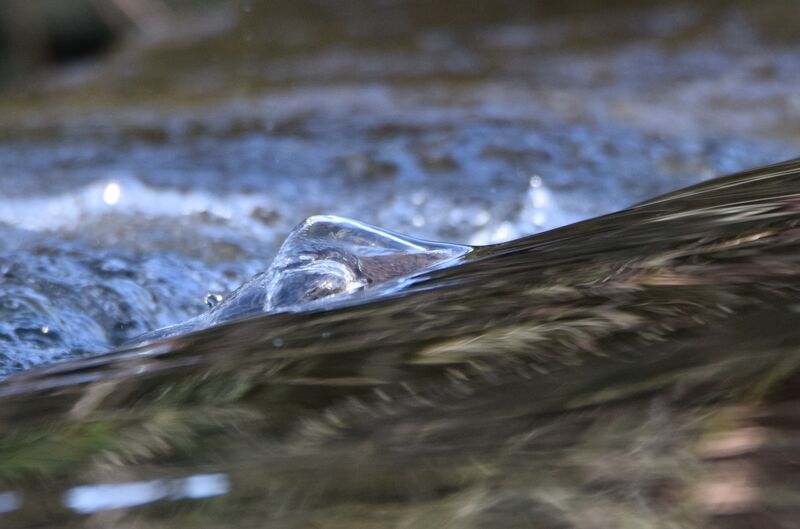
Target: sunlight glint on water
{"points": [[89, 499]]}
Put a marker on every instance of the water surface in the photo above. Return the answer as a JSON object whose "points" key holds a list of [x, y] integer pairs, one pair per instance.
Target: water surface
{"points": [[135, 186]]}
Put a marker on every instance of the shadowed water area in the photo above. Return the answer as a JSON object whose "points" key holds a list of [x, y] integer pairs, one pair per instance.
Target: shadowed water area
{"points": [[631, 371], [639, 368]]}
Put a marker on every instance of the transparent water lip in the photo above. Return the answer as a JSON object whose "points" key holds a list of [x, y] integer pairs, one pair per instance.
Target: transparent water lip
{"points": [[327, 262]]}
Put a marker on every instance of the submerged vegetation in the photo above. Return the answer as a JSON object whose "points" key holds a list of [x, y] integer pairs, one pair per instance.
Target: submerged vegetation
{"points": [[635, 370]]}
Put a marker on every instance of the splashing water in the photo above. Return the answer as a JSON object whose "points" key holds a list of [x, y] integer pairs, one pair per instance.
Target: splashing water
{"points": [[325, 261]]}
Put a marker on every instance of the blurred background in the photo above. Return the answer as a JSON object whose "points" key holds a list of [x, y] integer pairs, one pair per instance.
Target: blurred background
{"points": [[153, 151]]}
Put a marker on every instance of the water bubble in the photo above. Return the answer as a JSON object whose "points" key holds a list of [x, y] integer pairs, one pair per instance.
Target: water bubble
{"points": [[212, 299], [328, 258], [277, 342], [315, 280]]}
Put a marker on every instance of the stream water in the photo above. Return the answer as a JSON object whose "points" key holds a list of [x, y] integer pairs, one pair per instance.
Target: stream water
{"points": [[139, 187], [135, 187]]}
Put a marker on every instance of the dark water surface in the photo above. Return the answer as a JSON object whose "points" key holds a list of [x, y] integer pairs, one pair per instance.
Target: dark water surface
{"points": [[638, 369], [135, 186]]}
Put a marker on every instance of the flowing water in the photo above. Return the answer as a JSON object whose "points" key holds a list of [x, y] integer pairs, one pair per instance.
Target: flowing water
{"points": [[640, 368], [141, 188], [134, 188]]}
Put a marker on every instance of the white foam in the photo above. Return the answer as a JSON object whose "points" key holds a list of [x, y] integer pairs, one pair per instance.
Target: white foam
{"points": [[123, 194]]}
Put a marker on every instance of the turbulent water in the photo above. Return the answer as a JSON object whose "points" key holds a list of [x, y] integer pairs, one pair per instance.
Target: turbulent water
{"points": [[325, 262], [639, 369], [140, 189], [87, 269], [134, 189]]}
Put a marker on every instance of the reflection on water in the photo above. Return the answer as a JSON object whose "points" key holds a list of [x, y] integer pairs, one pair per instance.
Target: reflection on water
{"points": [[615, 364], [111, 193], [89, 499], [585, 377], [9, 501]]}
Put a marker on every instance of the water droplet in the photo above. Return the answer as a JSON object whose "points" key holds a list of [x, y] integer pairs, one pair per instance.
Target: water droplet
{"points": [[45, 329], [212, 299], [277, 342]]}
